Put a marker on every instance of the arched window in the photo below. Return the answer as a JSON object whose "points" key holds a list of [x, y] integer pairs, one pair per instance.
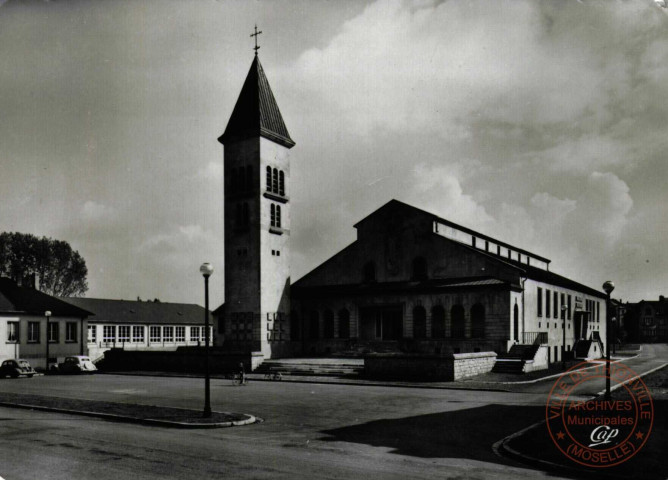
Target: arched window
{"points": [[314, 325], [281, 183], [438, 322], [249, 178], [328, 324], [419, 268], [239, 219], [272, 210], [274, 181], [268, 179], [344, 323], [278, 216], [369, 272], [419, 322], [477, 321], [234, 181], [241, 180], [246, 217], [295, 326], [457, 316]]}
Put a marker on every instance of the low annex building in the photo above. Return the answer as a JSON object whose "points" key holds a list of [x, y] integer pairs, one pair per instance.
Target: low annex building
{"points": [[23, 325], [142, 325]]}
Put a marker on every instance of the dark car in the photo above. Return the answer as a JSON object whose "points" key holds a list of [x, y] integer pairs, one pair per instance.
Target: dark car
{"points": [[15, 368], [76, 364]]}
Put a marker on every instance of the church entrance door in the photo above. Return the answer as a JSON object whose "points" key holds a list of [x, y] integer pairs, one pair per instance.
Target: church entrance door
{"points": [[381, 323]]}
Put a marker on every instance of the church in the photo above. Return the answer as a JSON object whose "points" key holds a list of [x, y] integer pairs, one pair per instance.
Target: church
{"points": [[411, 282]]}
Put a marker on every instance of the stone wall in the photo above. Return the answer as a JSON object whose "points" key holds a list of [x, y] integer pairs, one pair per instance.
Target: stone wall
{"points": [[471, 364], [428, 367]]}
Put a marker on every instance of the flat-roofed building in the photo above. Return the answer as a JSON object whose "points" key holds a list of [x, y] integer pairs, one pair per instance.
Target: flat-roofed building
{"points": [[141, 325]]}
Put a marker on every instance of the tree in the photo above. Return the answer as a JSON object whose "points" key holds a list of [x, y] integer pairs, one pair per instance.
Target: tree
{"points": [[60, 270]]}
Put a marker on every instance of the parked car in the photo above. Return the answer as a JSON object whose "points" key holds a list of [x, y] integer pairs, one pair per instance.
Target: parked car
{"points": [[76, 364], [15, 368]]}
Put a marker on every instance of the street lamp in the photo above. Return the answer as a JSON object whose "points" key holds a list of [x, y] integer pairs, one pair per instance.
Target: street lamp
{"points": [[47, 314], [608, 287], [206, 270], [614, 334], [563, 327]]}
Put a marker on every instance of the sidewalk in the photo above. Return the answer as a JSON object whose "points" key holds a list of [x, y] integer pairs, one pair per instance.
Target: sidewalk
{"points": [[495, 382], [533, 446], [125, 412]]}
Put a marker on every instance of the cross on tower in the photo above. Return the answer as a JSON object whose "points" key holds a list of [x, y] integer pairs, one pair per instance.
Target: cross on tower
{"points": [[256, 48]]}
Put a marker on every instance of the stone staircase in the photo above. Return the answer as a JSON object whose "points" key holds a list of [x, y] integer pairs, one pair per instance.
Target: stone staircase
{"points": [[582, 348], [359, 348], [515, 359], [320, 367]]}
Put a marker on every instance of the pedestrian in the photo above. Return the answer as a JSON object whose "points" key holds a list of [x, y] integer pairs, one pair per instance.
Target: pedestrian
{"points": [[242, 374]]}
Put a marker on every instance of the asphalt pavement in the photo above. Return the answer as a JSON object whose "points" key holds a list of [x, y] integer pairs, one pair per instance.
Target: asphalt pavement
{"points": [[309, 430]]}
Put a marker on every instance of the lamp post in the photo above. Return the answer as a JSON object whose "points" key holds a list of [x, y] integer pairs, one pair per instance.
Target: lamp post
{"points": [[614, 334], [206, 270], [563, 327], [608, 287], [47, 314]]}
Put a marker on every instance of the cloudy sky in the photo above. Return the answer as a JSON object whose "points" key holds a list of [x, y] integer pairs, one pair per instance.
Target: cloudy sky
{"points": [[541, 123]]}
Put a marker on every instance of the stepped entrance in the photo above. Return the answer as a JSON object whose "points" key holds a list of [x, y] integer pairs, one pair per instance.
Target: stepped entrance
{"points": [[327, 367]]}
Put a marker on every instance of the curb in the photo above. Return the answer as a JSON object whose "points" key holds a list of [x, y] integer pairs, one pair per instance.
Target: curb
{"points": [[502, 449], [536, 380], [141, 421], [619, 385], [320, 382]]}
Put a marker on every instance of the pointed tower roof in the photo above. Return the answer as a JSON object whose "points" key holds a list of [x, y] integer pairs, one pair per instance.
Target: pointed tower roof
{"points": [[256, 112]]}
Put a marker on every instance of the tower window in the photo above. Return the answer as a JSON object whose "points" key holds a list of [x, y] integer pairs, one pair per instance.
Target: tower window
{"points": [[239, 216], [234, 181], [246, 216], [249, 178], [274, 181], [278, 216], [272, 211], [268, 179], [281, 183]]}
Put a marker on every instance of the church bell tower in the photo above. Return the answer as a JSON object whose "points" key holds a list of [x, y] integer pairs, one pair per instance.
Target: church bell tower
{"points": [[257, 221]]}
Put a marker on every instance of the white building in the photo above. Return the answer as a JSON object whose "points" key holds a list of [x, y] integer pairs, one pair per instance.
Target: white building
{"points": [[138, 325], [24, 331]]}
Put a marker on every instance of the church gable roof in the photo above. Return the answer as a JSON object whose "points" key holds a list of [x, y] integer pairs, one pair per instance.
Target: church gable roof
{"points": [[256, 112]]}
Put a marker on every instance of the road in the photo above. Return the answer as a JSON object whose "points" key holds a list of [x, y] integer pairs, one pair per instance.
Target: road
{"points": [[309, 431]]}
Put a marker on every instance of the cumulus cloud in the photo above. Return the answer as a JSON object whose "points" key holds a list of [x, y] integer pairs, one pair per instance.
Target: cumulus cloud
{"points": [[438, 190], [213, 171], [462, 61], [93, 211], [491, 114]]}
